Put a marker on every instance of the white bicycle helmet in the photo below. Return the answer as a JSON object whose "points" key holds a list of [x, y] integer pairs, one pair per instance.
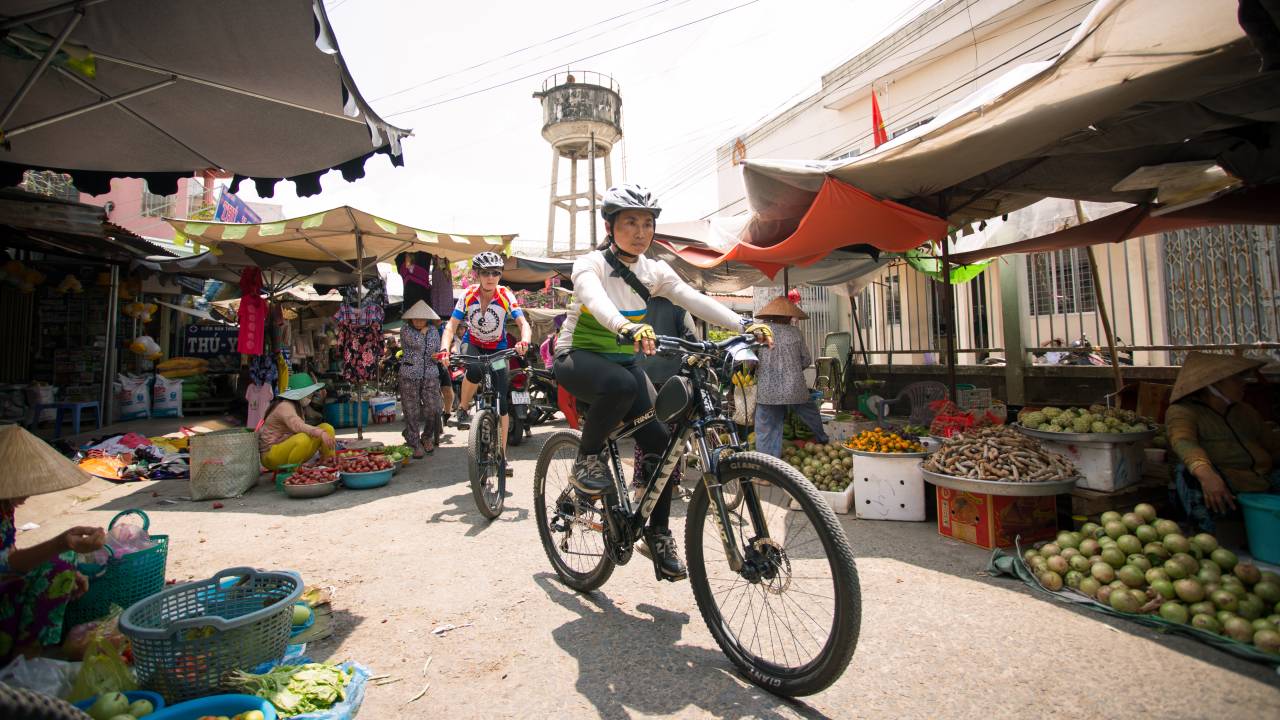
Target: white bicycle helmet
{"points": [[628, 197], [487, 261]]}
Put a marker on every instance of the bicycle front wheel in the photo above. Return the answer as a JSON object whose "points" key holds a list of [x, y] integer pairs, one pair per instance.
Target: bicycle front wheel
{"points": [[789, 619], [572, 528], [488, 481]]}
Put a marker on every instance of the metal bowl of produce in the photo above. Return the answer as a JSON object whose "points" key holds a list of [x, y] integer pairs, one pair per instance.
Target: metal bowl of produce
{"points": [[995, 487], [1098, 438], [366, 480], [310, 490], [864, 453]]}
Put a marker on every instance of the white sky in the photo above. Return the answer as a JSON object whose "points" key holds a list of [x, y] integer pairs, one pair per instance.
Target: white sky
{"points": [[480, 165]]}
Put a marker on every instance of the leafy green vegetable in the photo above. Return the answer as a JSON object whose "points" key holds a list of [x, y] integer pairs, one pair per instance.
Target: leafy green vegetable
{"points": [[296, 689]]}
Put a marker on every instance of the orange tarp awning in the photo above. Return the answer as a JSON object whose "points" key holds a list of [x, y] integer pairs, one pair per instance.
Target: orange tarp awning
{"points": [[841, 215]]}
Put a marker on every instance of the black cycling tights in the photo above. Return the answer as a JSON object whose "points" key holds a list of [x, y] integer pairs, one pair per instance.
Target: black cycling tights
{"points": [[616, 391]]}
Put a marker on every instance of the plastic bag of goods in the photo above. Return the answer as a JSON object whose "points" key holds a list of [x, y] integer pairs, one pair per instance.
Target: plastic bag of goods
{"points": [[135, 398], [168, 398], [39, 393]]}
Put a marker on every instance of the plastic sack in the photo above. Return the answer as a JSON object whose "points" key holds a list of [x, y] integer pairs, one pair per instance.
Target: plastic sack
{"points": [[125, 539], [167, 400], [41, 394], [50, 677], [135, 398], [106, 629], [104, 669]]}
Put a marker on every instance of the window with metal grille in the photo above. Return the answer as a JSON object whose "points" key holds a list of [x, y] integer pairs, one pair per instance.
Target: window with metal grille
{"points": [[892, 300], [158, 205], [1060, 282]]}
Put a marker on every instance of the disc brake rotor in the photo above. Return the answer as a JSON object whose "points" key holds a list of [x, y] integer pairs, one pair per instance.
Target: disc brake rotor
{"points": [[777, 581]]}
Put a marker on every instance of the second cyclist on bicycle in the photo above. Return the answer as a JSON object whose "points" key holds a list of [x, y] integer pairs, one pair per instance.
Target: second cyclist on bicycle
{"points": [[484, 310]]}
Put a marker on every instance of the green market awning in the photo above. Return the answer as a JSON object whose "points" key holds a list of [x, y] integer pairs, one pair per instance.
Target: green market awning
{"points": [[931, 266]]}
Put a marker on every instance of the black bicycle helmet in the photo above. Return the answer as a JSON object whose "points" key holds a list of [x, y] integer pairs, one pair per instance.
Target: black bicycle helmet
{"points": [[487, 261], [628, 197]]}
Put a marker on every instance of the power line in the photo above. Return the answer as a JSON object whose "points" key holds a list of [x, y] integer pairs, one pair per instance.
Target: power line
{"points": [[548, 41], [573, 62], [683, 173], [684, 177]]}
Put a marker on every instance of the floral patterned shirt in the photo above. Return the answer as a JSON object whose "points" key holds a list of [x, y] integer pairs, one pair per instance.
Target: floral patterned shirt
{"points": [[419, 350]]}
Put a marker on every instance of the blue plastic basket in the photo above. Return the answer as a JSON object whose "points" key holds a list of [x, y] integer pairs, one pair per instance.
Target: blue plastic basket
{"points": [[157, 702], [126, 580], [228, 705], [343, 415], [187, 637], [366, 480], [1262, 525]]}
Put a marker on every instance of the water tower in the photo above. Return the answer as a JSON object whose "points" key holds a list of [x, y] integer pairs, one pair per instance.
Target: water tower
{"points": [[582, 119]]}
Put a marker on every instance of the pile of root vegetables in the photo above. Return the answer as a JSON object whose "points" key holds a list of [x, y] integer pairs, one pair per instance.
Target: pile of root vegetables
{"points": [[998, 454]]}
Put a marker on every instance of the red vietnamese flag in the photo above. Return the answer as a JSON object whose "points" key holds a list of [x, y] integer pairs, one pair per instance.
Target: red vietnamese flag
{"points": [[877, 121]]}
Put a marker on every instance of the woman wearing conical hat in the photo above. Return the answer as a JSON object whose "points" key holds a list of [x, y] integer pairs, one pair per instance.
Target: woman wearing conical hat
{"points": [[1223, 444], [37, 582], [420, 378], [780, 382]]}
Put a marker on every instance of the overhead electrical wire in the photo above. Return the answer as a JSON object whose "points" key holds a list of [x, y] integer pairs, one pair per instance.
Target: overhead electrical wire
{"points": [[584, 58], [526, 48], [683, 176]]}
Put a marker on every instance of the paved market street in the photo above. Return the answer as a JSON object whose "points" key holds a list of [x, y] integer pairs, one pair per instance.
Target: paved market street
{"points": [[939, 638]]}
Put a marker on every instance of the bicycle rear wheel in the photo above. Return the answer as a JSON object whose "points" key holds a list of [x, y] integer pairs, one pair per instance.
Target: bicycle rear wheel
{"points": [[790, 618], [488, 481], [572, 528]]}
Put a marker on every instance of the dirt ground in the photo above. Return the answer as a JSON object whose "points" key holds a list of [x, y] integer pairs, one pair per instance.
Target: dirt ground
{"points": [[939, 639]]}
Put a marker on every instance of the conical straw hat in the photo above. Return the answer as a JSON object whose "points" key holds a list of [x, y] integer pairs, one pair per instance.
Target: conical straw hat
{"points": [[782, 307], [420, 311], [32, 467], [1204, 369]]}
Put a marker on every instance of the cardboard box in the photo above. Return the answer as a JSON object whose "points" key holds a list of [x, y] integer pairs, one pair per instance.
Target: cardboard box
{"points": [[991, 521]]}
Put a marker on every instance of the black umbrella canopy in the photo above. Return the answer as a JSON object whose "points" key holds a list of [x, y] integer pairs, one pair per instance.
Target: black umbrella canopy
{"points": [[161, 88]]}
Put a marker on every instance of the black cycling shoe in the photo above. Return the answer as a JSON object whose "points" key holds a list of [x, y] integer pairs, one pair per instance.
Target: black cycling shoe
{"points": [[464, 419], [590, 476], [660, 547]]}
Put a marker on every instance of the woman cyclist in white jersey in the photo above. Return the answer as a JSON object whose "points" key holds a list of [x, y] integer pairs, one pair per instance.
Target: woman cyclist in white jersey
{"points": [[612, 287]]}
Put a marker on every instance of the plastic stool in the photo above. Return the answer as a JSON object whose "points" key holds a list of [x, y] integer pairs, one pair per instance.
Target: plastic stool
{"points": [[75, 408]]}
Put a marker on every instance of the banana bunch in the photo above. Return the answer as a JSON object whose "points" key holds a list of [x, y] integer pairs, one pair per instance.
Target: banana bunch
{"points": [[743, 379]]}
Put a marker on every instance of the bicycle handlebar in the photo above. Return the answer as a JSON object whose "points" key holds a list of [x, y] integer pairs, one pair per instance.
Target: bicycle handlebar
{"points": [[670, 344], [460, 360]]}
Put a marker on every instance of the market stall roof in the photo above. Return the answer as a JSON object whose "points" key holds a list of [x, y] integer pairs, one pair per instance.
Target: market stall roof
{"points": [[839, 216], [836, 269], [278, 273], [1252, 206], [1141, 84], [110, 88], [332, 236], [53, 225]]}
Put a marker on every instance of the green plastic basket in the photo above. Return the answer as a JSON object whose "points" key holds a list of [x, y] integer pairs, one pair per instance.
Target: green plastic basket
{"points": [[126, 580], [186, 638]]}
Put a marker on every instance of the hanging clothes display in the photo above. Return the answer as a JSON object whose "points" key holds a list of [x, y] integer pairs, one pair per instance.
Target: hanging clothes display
{"points": [[359, 326], [259, 397], [441, 288], [415, 272], [253, 313]]}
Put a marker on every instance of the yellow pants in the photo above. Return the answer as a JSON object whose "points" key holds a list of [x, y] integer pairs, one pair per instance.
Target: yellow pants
{"points": [[297, 448]]}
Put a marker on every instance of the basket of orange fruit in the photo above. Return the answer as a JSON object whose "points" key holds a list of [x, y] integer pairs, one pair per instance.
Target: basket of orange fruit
{"points": [[885, 441]]}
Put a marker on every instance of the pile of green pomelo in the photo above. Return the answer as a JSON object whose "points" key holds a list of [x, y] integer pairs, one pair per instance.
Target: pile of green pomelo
{"points": [[828, 466], [1138, 563]]}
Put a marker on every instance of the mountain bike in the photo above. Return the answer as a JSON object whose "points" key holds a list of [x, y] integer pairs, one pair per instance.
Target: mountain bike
{"points": [[774, 578], [486, 461]]}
